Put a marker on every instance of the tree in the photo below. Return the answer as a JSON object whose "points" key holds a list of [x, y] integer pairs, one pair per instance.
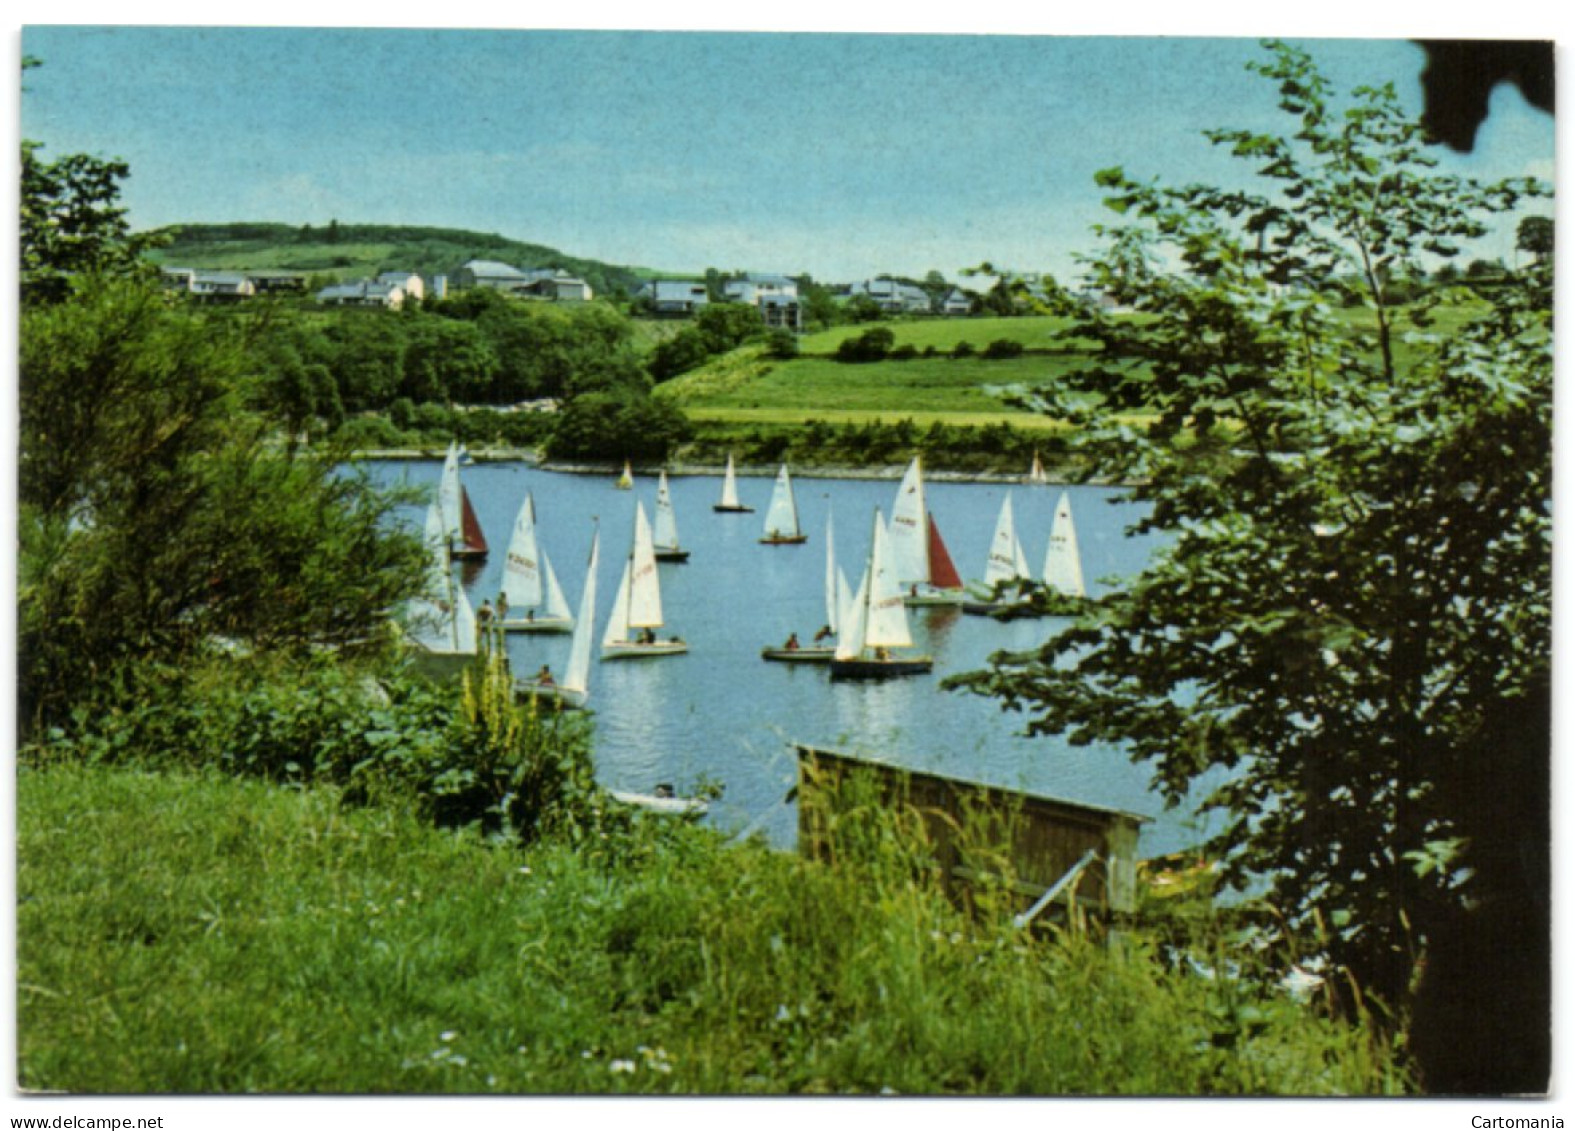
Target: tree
{"points": [[153, 517], [72, 224], [1348, 627], [1534, 235]]}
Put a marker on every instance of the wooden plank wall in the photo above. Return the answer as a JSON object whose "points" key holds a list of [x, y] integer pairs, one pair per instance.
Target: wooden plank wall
{"points": [[981, 831]]}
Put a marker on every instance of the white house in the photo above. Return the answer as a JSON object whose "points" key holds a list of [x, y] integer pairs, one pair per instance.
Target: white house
{"points": [[675, 296]]}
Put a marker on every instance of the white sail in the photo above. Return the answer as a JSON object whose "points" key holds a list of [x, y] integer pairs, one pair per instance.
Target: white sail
{"points": [[666, 535], [782, 515], [910, 550], [618, 620], [877, 617], [645, 591], [887, 626], [577, 676], [449, 497], [431, 615], [1036, 471], [850, 640], [464, 622], [729, 485], [522, 571], [1007, 561], [557, 606], [1063, 562]]}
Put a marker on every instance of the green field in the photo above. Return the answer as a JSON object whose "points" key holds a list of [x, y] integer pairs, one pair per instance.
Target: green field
{"points": [[942, 334], [193, 934]]}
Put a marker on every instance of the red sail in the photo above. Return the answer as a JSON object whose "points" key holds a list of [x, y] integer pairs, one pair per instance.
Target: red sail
{"points": [[470, 528], [943, 575]]}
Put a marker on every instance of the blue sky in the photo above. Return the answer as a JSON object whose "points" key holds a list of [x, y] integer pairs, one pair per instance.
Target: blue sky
{"points": [[835, 154]]}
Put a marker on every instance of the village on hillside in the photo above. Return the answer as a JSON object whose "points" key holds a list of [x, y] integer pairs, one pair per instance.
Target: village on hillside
{"points": [[777, 297]]}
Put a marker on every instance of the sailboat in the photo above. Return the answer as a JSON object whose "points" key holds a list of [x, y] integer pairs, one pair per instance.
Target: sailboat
{"points": [[574, 689], [666, 536], [626, 479], [730, 503], [1063, 571], [532, 600], [838, 599], [877, 622], [465, 539], [782, 527], [924, 566], [441, 623], [1005, 565], [638, 605], [1036, 472]]}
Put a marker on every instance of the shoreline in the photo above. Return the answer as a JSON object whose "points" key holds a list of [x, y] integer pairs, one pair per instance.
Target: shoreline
{"points": [[893, 472]]}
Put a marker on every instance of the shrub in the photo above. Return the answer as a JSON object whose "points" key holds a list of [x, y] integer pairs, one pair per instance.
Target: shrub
{"points": [[1003, 348], [963, 349]]}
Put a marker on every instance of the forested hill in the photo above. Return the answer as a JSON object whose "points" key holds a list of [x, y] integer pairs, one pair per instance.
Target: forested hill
{"points": [[348, 251]]}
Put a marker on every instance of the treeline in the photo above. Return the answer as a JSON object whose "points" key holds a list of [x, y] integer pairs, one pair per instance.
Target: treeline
{"points": [[376, 378], [998, 447]]}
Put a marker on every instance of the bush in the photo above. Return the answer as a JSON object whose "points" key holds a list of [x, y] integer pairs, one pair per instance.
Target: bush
{"points": [[963, 349], [1003, 348], [872, 345]]}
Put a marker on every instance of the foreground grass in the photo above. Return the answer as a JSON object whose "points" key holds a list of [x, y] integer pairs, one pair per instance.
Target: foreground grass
{"points": [[187, 934]]}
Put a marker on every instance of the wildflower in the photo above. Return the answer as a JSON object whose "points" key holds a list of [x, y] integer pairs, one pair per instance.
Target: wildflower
{"points": [[448, 1035], [618, 1066]]}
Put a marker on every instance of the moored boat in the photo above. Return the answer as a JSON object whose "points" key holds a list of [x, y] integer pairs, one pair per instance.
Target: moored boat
{"points": [[532, 600], [782, 528], [573, 691], [875, 642], [665, 537], [729, 503], [637, 609]]}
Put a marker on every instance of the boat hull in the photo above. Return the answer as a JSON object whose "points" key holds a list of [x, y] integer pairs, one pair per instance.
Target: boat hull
{"points": [[467, 553], [673, 806], [934, 598], [566, 698], [632, 650], [785, 540], [539, 624], [798, 655], [723, 508], [672, 555], [881, 669]]}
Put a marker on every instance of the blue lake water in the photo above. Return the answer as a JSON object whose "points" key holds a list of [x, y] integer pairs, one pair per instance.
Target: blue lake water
{"points": [[722, 713]]}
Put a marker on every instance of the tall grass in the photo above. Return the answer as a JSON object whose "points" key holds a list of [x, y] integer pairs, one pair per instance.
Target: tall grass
{"points": [[179, 932]]}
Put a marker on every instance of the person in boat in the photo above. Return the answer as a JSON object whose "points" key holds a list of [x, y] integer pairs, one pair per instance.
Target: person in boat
{"points": [[882, 654], [647, 636], [544, 677], [665, 790], [824, 634], [484, 614], [503, 606], [792, 642]]}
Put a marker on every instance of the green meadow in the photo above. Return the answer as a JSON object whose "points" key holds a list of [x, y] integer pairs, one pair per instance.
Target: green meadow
{"points": [[183, 932]]}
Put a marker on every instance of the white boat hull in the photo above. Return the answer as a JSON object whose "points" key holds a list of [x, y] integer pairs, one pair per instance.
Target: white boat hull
{"points": [[539, 624], [568, 698], [675, 806], [633, 650]]}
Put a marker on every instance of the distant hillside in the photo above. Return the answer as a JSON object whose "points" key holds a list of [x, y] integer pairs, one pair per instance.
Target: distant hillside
{"points": [[347, 251]]}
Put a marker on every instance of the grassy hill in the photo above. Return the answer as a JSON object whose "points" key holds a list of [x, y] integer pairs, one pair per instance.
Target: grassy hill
{"points": [[347, 251], [748, 387]]}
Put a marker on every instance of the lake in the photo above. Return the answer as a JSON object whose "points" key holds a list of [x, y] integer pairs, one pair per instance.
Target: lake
{"points": [[721, 713]]}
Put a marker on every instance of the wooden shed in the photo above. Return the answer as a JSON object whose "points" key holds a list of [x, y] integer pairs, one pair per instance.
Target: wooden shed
{"points": [[1047, 849]]}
